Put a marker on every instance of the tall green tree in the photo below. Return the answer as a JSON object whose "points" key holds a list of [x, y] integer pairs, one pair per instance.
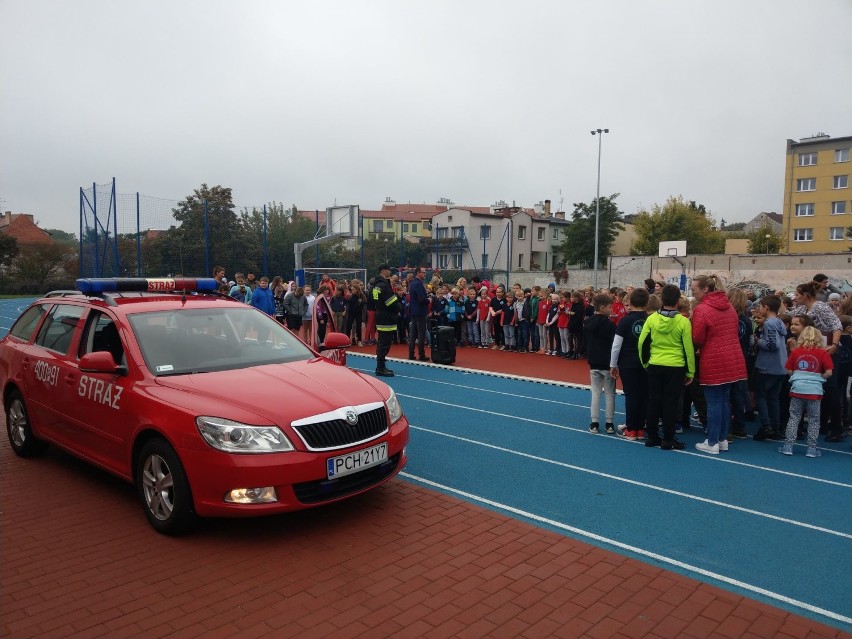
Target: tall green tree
{"points": [[578, 245], [677, 220], [63, 237], [8, 249], [764, 240], [231, 243]]}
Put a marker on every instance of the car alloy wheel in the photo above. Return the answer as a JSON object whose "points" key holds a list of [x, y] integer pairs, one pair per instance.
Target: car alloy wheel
{"points": [[21, 437], [163, 488], [158, 484]]}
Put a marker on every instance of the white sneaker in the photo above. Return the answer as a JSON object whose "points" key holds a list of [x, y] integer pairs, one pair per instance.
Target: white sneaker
{"points": [[723, 445], [705, 447], [621, 428]]}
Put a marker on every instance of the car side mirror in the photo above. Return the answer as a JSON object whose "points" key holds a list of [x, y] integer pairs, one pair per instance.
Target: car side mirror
{"points": [[100, 362], [334, 348]]}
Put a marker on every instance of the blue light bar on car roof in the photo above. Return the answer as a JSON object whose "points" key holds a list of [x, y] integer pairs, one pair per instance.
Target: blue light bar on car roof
{"points": [[97, 285]]}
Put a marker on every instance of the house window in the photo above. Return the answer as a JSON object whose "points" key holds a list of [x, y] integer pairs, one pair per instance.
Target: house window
{"points": [[807, 159], [521, 259], [377, 226], [457, 259], [838, 208], [522, 232], [389, 224], [443, 260], [555, 234], [804, 210], [442, 234], [541, 232], [803, 235], [841, 155], [485, 232], [806, 184], [458, 232], [484, 261], [835, 233], [414, 228], [841, 181], [404, 227], [449, 218]]}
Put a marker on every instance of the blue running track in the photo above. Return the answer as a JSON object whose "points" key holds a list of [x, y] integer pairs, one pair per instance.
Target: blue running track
{"points": [[774, 528]]}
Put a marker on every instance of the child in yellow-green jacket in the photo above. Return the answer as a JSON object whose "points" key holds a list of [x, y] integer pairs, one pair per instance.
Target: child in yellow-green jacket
{"points": [[670, 362]]}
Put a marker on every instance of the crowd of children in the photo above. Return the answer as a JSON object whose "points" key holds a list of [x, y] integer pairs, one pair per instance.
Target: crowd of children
{"points": [[784, 359]]}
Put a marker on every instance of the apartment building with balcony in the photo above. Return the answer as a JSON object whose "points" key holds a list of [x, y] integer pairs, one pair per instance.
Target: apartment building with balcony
{"points": [[512, 238], [817, 195]]}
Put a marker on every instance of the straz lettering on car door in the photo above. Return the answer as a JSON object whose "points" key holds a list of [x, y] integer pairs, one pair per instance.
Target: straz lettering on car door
{"points": [[97, 390]]}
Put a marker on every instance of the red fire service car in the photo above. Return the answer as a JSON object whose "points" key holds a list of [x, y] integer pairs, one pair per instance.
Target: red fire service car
{"points": [[209, 406]]}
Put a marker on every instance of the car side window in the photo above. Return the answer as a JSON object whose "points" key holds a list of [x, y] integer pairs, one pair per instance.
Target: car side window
{"points": [[102, 335], [26, 324], [57, 332]]}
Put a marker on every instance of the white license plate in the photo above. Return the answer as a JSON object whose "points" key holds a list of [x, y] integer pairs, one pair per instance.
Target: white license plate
{"points": [[357, 461]]}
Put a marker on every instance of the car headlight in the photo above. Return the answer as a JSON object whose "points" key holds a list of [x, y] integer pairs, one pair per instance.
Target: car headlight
{"points": [[234, 437], [394, 408]]}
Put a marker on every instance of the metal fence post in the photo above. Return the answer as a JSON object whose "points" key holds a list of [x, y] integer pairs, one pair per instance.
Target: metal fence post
{"points": [[97, 272], [138, 240], [114, 206], [265, 256], [206, 240], [81, 231]]}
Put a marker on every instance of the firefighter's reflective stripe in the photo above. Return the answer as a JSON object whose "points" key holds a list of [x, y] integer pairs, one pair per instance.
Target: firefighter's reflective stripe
{"points": [[386, 327], [392, 300]]}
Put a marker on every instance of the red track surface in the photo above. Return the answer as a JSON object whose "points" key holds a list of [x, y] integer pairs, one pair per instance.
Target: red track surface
{"points": [[532, 365]]}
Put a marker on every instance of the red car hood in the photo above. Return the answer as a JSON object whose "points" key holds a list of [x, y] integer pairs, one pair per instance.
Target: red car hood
{"points": [[278, 393]]}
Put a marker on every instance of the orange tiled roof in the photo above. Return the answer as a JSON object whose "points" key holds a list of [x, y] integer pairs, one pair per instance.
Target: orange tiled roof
{"points": [[24, 229]]}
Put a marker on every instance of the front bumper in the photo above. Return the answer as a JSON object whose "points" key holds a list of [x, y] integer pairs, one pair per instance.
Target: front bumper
{"points": [[299, 477]]}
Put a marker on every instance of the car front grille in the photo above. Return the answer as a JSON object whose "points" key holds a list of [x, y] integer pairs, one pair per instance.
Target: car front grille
{"points": [[314, 492], [337, 433]]}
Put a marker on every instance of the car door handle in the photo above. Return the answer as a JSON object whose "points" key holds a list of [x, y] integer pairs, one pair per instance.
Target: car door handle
{"points": [[25, 362], [69, 379]]}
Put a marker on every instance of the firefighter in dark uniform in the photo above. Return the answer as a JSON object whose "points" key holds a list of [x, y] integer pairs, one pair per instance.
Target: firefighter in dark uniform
{"points": [[387, 316]]}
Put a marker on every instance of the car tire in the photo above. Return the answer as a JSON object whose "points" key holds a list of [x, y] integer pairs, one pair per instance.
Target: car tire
{"points": [[164, 489], [21, 437]]}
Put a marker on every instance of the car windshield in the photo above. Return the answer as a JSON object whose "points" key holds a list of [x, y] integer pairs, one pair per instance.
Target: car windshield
{"points": [[195, 340]]}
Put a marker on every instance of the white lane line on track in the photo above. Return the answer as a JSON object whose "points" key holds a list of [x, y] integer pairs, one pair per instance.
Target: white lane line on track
{"points": [[634, 482], [550, 382], [585, 431], [486, 390], [529, 379], [633, 549], [536, 380]]}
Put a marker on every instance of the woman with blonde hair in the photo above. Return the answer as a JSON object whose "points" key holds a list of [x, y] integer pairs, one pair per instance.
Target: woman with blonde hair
{"points": [[715, 334]]}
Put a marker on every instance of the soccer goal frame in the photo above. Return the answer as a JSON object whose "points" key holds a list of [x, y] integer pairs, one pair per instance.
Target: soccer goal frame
{"points": [[314, 275]]}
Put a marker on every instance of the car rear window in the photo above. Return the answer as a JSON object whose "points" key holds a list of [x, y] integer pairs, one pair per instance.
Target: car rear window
{"points": [[26, 324], [58, 329], [200, 340]]}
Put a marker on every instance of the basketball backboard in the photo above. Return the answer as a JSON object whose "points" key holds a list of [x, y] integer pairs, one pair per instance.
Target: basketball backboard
{"points": [[676, 248], [342, 219]]}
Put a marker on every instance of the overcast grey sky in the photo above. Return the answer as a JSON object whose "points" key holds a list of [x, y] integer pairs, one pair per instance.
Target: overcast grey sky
{"points": [[353, 101]]}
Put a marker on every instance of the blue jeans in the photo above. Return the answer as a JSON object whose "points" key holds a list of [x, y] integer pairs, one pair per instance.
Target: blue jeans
{"points": [[523, 335], [718, 411], [768, 396], [535, 337], [740, 403]]}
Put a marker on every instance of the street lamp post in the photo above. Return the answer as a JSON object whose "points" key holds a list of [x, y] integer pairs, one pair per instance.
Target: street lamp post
{"points": [[599, 133], [767, 243]]}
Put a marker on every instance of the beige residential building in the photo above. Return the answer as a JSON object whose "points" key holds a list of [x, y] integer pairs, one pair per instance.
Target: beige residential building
{"points": [[817, 206]]}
